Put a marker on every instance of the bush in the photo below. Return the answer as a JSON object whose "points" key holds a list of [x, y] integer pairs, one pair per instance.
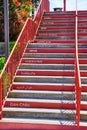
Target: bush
{"points": [[12, 43], [2, 62]]}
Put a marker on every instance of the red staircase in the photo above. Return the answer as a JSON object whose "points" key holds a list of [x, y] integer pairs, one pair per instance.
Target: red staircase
{"points": [[41, 83]]}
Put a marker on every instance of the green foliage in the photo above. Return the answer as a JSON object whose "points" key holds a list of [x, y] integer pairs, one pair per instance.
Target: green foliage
{"points": [[2, 62], [17, 17], [2, 59], [12, 43]]}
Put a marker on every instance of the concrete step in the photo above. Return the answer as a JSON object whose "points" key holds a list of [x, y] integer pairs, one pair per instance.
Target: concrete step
{"points": [[59, 28], [51, 34], [57, 31], [39, 121], [67, 13], [84, 80], [51, 45], [35, 94], [55, 37], [84, 96], [47, 66], [44, 86], [40, 103], [34, 113], [51, 55], [53, 50], [82, 37], [46, 79], [66, 24]]}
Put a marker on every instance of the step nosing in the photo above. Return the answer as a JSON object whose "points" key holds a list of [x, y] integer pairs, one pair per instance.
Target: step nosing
{"points": [[48, 77], [41, 92], [48, 84]]}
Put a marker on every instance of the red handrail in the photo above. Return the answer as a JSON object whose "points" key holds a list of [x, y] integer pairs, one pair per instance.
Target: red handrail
{"points": [[77, 73], [27, 34]]}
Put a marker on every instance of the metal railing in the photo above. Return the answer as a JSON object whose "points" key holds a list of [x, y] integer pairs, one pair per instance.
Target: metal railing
{"points": [[77, 72], [27, 34]]}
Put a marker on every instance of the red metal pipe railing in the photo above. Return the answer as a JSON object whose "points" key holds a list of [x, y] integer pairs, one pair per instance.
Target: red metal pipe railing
{"points": [[27, 34], [77, 73]]}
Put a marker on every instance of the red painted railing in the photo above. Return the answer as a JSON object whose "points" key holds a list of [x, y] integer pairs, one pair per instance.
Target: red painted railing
{"points": [[77, 73], [27, 34]]}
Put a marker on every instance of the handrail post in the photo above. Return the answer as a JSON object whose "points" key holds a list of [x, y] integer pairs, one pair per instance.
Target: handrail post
{"points": [[77, 72], [64, 2]]}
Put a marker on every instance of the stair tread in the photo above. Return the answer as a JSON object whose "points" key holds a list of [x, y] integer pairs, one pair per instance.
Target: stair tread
{"points": [[47, 70], [84, 102], [41, 100], [39, 121], [52, 70]]}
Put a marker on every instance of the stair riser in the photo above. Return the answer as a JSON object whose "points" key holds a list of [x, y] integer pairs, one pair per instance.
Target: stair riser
{"points": [[44, 80], [59, 13], [45, 73], [49, 55], [47, 61], [38, 115], [47, 66], [58, 28], [40, 105], [70, 31], [62, 13], [60, 41], [58, 22], [60, 33], [55, 34], [58, 96], [60, 17], [55, 50], [43, 87], [59, 25]]}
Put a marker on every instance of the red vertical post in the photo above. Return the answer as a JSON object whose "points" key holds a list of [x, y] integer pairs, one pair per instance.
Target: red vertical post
{"points": [[64, 5], [0, 98]]}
